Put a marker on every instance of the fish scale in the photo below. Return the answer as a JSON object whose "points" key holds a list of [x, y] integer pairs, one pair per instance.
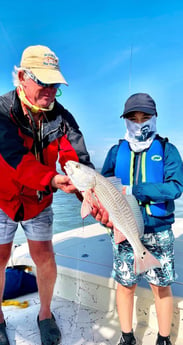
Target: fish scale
{"points": [[113, 201], [120, 213]]}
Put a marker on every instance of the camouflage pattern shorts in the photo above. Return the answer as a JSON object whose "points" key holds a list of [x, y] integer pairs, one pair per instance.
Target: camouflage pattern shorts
{"points": [[161, 245]]}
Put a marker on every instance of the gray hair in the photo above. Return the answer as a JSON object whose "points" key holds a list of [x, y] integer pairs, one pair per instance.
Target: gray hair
{"points": [[16, 80]]}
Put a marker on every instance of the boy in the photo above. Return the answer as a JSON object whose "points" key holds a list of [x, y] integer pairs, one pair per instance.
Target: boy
{"points": [[150, 168]]}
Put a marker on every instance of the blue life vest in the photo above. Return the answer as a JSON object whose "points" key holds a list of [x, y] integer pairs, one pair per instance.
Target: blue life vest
{"points": [[151, 170]]}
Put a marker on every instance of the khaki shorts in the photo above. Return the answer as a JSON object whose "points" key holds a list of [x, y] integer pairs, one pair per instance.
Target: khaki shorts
{"points": [[38, 228]]}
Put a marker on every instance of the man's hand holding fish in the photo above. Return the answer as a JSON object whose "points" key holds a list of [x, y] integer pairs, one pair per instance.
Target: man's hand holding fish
{"points": [[101, 215]]}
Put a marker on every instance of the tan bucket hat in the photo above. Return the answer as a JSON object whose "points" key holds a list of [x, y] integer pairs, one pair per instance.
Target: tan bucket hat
{"points": [[43, 63]]}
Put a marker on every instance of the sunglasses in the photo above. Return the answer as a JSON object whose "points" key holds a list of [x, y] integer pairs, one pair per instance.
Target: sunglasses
{"points": [[39, 82]]}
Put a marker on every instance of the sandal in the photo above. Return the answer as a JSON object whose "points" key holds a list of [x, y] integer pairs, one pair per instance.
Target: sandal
{"points": [[50, 333], [3, 336]]}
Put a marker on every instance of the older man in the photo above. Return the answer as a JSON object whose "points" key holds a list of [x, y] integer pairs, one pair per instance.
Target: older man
{"points": [[35, 131]]}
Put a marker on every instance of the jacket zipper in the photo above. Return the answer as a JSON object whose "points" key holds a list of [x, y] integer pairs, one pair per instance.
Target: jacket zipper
{"points": [[138, 168]]}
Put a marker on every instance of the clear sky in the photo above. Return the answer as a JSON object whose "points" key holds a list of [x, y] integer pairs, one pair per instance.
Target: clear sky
{"points": [[108, 50]]}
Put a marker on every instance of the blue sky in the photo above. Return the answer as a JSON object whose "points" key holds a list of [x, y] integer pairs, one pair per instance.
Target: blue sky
{"points": [[108, 50]]}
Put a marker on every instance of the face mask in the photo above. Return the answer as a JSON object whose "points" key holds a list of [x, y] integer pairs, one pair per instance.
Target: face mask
{"points": [[140, 135]]}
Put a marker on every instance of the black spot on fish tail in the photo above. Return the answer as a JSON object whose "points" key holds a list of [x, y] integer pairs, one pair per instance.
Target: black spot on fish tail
{"points": [[144, 253]]}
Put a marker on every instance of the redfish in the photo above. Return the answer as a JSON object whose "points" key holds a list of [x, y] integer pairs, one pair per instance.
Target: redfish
{"points": [[123, 210]]}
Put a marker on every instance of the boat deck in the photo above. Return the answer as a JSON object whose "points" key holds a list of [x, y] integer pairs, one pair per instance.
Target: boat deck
{"points": [[84, 295], [79, 325]]}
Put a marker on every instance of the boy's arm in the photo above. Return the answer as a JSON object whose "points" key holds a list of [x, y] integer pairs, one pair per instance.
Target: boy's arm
{"points": [[172, 187]]}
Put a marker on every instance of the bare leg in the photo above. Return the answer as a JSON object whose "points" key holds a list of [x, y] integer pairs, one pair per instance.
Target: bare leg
{"points": [[5, 251], [125, 303], [43, 257], [164, 308]]}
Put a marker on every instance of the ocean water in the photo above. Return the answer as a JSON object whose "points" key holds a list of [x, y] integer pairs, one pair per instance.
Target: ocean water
{"points": [[66, 208], [179, 207]]}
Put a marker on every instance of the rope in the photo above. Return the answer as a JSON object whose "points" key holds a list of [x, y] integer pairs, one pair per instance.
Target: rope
{"points": [[16, 303]]}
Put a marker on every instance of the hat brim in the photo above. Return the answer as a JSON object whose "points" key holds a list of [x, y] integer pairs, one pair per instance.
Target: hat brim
{"points": [[142, 109], [49, 76]]}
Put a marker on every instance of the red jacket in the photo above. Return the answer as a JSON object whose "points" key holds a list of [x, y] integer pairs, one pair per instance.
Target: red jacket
{"points": [[25, 188]]}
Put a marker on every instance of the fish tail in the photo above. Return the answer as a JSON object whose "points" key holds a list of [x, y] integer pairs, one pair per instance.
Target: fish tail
{"points": [[145, 261]]}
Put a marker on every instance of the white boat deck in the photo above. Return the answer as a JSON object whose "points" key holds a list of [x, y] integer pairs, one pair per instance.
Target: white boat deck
{"points": [[84, 295]]}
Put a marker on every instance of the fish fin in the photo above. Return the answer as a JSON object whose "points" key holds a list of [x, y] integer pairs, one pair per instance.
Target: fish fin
{"points": [[118, 236], [132, 202], [90, 198], [89, 201], [116, 182], [85, 208], [145, 261]]}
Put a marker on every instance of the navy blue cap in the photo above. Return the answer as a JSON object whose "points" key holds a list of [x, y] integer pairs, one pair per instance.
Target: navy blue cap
{"points": [[140, 102]]}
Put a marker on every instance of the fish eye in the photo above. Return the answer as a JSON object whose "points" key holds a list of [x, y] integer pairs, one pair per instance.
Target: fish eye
{"points": [[77, 166]]}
